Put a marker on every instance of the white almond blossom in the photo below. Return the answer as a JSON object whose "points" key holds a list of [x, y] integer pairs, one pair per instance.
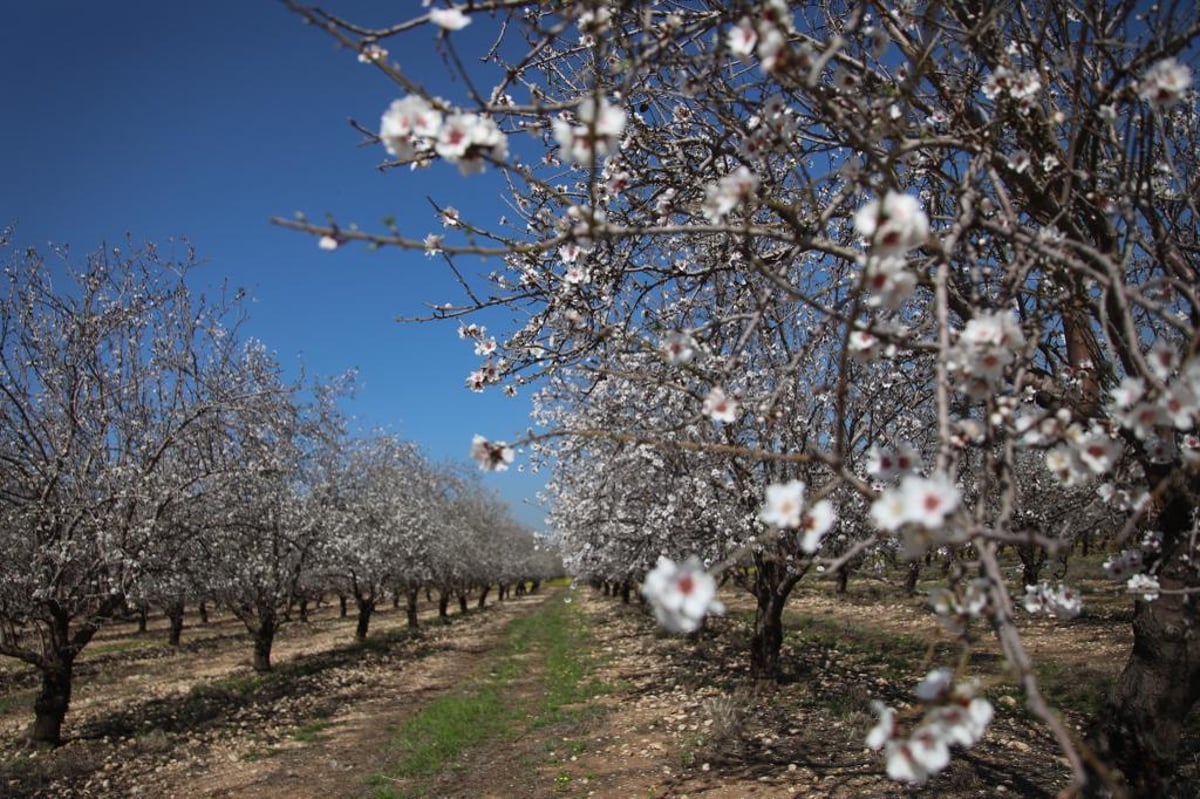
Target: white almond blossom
{"points": [[681, 594]]}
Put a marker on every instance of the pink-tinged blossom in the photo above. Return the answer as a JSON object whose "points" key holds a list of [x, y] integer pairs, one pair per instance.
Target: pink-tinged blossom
{"points": [[885, 463], [720, 407], [815, 523], [742, 38], [465, 139], [407, 125], [1180, 407], [679, 348], [1128, 392], [1165, 83], [491, 456], [928, 500], [784, 504], [598, 134], [862, 346], [451, 19], [681, 594], [1063, 602], [1098, 451], [889, 281], [894, 225]]}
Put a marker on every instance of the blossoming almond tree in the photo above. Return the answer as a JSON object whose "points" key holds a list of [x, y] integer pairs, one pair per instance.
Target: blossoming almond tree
{"points": [[111, 374], [989, 209]]}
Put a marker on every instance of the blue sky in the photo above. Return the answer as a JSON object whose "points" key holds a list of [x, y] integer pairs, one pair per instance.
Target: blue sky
{"points": [[202, 120]]}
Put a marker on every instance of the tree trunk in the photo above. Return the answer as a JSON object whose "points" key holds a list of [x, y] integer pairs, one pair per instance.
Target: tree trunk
{"points": [[304, 609], [264, 638], [143, 613], [50, 706], [1138, 728], [537, 584], [462, 601], [626, 591], [482, 603], [175, 616], [768, 635], [843, 579], [1033, 560], [411, 608], [772, 585], [443, 604], [203, 613], [343, 610], [914, 574], [365, 608]]}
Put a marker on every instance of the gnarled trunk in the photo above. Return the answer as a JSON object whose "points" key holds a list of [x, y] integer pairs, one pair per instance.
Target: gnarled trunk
{"points": [[482, 603], [462, 601], [773, 583], [50, 706], [264, 639], [1139, 727], [365, 608]]}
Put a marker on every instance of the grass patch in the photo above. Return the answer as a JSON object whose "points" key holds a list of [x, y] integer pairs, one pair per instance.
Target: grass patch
{"points": [[554, 642]]}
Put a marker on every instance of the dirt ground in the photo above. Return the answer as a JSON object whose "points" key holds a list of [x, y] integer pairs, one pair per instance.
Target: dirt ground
{"points": [[681, 717]]}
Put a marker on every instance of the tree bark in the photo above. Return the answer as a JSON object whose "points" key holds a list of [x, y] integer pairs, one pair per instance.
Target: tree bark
{"points": [[772, 585], [365, 608], [843, 579], [343, 610], [203, 613], [175, 616], [1138, 729], [264, 638], [462, 601], [50, 706], [443, 604], [767, 640], [482, 603], [411, 608], [914, 574]]}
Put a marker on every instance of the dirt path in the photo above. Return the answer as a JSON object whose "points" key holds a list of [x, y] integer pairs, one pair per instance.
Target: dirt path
{"points": [[669, 716], [201, 724]]}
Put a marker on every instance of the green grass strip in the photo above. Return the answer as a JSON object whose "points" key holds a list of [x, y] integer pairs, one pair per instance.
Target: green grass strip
{"points": [[554, 642]]}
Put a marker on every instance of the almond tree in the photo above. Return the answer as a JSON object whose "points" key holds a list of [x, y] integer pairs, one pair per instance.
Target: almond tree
{"points": [[111, 371], [995, 204]]}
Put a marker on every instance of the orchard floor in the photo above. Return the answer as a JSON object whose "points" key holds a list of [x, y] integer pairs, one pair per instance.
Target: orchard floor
{"points": [[651, 715]]}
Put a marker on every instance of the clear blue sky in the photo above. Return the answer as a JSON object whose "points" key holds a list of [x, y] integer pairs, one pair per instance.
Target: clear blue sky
{"points": [[166, 119]]}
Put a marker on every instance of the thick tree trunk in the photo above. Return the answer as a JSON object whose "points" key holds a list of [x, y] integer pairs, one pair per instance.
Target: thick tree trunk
{"points": [[482, 603], [843, 579], [175, 616], [626, 591], [50, 706], [1033, 560], [462, 601], [411, 608], [443, 604], [143, 614], [343, 609], [264, 638], [304, 609], [768, 636], [1139, 727], [365, 608], [537, 584], [772, 585], [203, 609]]}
